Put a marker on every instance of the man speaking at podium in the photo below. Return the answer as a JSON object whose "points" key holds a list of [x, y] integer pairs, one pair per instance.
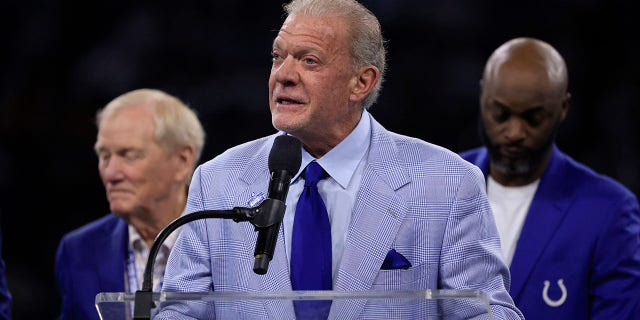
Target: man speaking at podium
{"points": [[393, 212]]}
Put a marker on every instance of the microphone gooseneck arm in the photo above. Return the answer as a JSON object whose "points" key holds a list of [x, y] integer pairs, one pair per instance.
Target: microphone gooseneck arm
{"points": [[261, 216], [237, 214]]}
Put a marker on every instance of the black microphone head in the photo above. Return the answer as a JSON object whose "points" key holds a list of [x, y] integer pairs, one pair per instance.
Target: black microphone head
{"points": [[285, 154]]}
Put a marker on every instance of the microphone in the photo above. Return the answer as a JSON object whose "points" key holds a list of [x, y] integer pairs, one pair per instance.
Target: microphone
{"points": [[284, 162]]}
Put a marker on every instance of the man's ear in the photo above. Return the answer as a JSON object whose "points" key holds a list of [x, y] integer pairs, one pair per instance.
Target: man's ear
{"points": [[566, 104], [363, 82], [184, 162]]}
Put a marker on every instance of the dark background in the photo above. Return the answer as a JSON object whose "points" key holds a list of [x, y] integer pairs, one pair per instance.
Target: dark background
{"points": [[62, 60]]}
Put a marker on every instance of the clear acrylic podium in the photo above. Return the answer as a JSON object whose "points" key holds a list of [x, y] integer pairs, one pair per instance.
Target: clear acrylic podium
{"points": [[418, 304]]}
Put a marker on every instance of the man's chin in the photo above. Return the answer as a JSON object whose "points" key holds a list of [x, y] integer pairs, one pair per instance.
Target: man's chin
{"points": [[120, 208], [288, 127]]}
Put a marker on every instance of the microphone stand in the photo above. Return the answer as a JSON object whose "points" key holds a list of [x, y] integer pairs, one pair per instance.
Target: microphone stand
{"points": [[268, 213]]}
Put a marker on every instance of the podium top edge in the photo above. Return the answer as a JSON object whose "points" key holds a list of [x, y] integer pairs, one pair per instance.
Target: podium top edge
{"points": [[297, 295]]}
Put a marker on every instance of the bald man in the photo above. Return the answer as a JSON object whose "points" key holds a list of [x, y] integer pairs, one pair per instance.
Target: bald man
{"points": [[569, 235]]}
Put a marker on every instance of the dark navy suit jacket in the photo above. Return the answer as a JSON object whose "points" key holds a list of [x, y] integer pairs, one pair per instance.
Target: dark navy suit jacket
{"points": [[90, 260], [578, 255], [5, 296]]}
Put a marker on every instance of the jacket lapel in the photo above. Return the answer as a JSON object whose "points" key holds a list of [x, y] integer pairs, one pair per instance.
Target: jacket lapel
{"points": [[378, 213], [548, 209], [110, 256]]}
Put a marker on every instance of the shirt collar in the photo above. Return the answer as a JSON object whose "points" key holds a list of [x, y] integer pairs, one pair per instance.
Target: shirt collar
{"points": [[137, 243], [341, 161], [135, 240]]}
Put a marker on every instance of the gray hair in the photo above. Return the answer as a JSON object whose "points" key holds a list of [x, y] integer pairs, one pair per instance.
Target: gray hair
{"points": [[177, 125], [368, 45]]}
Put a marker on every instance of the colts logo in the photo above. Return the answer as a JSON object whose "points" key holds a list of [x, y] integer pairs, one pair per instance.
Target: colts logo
{"points": [[545, 294]]}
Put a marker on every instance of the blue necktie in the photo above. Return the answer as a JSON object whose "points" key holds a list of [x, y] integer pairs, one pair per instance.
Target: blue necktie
{"points": [[311, 247]]}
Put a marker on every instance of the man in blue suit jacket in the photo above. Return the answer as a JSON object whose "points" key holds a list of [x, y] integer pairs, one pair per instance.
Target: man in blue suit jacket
{"points": [[572, 235], [148, 145], [404, 214]]}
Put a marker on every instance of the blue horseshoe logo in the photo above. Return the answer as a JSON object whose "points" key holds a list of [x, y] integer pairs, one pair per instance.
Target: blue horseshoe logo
{"points": [[545, 294]]}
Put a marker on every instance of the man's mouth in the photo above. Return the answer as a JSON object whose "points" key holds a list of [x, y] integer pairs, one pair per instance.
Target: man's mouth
{"points": [[512, 151]]}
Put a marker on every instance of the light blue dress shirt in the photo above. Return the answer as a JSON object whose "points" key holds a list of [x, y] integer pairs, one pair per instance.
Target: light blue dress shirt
{"points": [[344, 164]]}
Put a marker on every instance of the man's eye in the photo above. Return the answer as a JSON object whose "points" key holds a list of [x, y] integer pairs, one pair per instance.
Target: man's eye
{"points": [[103, 156], [131, 155], [500, 115], [275, 57], [534, 119], [310, 61]]}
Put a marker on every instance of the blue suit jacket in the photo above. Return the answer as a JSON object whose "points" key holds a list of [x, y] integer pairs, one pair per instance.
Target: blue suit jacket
{"points": [[90, 260], [582, 234], [419, 199], [5, 295]]}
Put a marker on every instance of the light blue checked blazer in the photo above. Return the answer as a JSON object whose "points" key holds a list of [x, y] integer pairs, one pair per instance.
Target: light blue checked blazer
{"points": [[417, 198]]}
